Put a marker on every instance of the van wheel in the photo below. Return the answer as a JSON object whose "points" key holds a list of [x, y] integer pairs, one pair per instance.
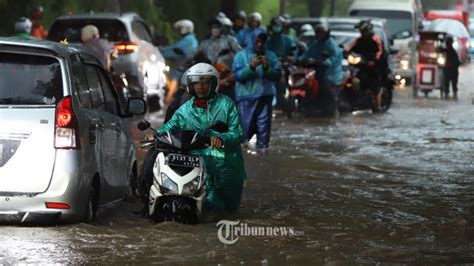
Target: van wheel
{"points": [[91, 208]]}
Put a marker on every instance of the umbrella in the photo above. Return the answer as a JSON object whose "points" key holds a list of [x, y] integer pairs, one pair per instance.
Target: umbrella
{"points": [[450, 26]]}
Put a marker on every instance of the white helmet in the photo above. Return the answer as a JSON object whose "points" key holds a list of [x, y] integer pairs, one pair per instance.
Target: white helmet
{"points": [[184, 26], [306, 27], [202, 71], [226, 22], [256, 16], [23, 25]]}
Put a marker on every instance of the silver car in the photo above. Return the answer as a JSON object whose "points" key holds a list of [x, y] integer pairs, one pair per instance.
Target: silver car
{"points": [[65, 148], [139, 59]]}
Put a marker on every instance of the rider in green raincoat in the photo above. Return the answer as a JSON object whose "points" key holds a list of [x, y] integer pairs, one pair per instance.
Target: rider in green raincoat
{"points": [[223, 160]]}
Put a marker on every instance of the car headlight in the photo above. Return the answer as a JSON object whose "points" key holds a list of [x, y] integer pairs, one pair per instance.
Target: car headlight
{"points": [[192, 186], [168, 185]]}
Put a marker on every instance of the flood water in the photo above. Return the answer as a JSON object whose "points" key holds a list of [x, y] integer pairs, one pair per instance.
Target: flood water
{"points": [[364, 188]]}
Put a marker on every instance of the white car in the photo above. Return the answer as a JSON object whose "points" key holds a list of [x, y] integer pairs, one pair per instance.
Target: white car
{"points": [[65, 147]]}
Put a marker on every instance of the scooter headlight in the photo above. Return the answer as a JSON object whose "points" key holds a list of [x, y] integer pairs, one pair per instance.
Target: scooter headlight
{"points": [[192, 187], [168, 185], [353, 60]]}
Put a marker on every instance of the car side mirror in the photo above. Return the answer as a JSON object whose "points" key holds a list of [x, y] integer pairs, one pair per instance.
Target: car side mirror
{"points": [[136, 106], [178, 51]]}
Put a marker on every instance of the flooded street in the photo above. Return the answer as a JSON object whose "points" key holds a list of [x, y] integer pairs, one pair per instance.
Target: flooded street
{"points": [[390, 188]]}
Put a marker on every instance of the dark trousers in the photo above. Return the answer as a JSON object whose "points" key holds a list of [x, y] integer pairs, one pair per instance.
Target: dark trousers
{"points": [[256, 116], [451, 76]]}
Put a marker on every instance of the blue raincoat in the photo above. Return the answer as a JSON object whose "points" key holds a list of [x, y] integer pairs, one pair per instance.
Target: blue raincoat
{"points": [[188, 44], [246, 36], [282, 44], [329, 52]]}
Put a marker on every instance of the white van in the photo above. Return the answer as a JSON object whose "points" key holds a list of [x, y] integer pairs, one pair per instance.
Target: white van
{"points": [[403, 20]]}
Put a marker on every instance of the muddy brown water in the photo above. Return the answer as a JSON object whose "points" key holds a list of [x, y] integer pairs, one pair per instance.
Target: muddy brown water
{"points": [[364, 188]]}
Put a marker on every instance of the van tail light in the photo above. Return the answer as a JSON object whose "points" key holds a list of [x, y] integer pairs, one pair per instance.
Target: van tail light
{"points": [[66, 131], [57, 205], [126, 47]]}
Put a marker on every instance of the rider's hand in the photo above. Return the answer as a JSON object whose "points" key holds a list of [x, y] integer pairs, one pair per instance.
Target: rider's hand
{"points": [[371, 63], [216, 142]]}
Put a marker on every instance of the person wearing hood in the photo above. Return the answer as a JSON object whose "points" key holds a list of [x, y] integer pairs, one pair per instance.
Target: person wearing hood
{"points": [[178, 53], [223, 159], [254, 28], [256, 71], [328, 57]]}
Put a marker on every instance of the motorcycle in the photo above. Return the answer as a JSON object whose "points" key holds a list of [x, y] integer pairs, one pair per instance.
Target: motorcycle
{"points": [[172, 177], [355, 95], [302, 87]]}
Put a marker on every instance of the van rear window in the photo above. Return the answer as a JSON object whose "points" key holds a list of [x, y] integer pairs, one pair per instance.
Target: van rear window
{"points": [[70, 29], [29, 79]]}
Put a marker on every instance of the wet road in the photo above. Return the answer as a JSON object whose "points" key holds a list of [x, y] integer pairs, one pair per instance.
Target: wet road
{"points": [[391, 188]]}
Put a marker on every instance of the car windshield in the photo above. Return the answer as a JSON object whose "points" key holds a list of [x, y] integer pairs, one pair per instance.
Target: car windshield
{"points": [[70, 29], [29, 79], [397, 21]]}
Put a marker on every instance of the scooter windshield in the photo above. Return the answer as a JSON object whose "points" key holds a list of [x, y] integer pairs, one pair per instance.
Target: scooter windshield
{"points": [[183, 140]]}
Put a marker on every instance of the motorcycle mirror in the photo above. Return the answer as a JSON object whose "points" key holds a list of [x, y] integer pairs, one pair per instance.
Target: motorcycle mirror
{"points": [[220, 127], [178, 51], [224, 52], [143, 125]]}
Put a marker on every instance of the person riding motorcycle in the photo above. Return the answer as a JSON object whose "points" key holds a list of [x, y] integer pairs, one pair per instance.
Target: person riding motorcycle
{"points": [[178, 53], [253, 29], [285, 48], [279, 42], [223, 160], [219, 50], [23, 28], [287, 29], [307, 34], [369, 46], [239, 22], [328, 59]]}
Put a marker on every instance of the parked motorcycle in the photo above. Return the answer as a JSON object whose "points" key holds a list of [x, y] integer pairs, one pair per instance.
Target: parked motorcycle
{"points": [[355, 95], [173, 177]]}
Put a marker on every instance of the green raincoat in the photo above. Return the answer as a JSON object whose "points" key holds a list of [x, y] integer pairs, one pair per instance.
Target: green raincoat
{"points": [[225, 167]]}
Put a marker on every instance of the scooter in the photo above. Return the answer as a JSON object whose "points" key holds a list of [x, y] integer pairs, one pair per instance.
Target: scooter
{"points": [[175, 176], [302, 87], [354, 96]]}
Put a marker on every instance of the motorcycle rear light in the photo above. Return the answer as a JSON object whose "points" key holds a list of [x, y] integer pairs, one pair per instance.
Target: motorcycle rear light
{"points": [[57, 205], [66, 126], [126, 48]]}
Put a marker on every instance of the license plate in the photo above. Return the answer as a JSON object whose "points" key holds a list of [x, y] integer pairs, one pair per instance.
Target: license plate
{"points": [[182, 160]]}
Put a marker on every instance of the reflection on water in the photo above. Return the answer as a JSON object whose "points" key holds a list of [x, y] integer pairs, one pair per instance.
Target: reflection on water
{"points": [[394, 188]]}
